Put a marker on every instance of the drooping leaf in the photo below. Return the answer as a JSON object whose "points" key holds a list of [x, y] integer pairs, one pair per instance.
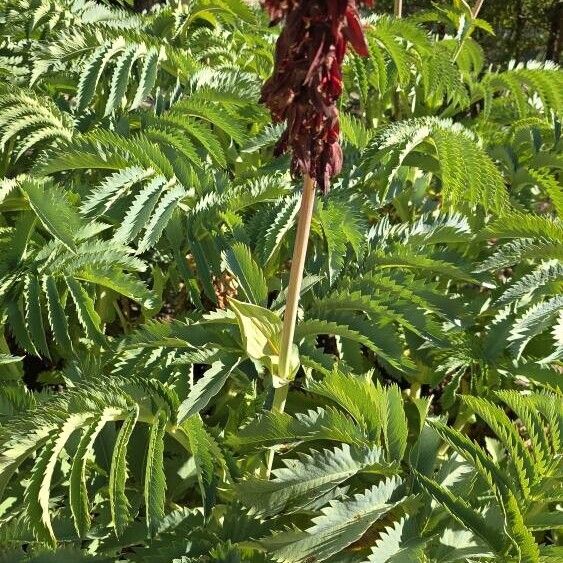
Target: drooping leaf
{"points": [[207, 387], [119, 503], [249, 274], [49, 203], [155, 480]]}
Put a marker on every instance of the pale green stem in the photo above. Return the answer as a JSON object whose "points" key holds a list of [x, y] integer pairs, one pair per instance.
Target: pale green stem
{"points": [[474, 13], [414, 390], [461, 420], [122, 320], [292, 301]]}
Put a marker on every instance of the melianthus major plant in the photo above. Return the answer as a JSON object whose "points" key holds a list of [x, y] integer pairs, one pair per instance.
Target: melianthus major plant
{"points": [[146, 235]]}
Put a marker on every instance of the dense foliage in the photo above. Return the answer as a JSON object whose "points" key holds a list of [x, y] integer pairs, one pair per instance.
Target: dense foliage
{"points": [[523, 28], [145, 236]]}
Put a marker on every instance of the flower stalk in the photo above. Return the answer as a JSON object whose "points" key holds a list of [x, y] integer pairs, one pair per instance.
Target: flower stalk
{"points": [[296, 274], [477, 8], [398, 8], [292, 300], [302, 92]]}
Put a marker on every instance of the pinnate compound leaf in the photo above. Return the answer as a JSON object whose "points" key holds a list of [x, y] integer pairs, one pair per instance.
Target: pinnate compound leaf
{"points": [[304, 479], [341, 524]]}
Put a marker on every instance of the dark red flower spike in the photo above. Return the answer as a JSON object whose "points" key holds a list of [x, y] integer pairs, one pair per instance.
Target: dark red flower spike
{"points": [[307, 80]]}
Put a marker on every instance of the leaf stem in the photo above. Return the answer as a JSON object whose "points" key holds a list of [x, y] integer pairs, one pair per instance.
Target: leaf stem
{"points": [[463, 417], [292, 302], [474, 13]]}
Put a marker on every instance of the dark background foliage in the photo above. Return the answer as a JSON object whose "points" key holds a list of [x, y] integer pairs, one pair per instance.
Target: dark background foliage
{"points": [[525, 29]]}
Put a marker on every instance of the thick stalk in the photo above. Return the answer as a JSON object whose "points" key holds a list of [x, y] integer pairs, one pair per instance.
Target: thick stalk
{"points": [[296, 275], [292, 300], [398, 10], [477, 8]]}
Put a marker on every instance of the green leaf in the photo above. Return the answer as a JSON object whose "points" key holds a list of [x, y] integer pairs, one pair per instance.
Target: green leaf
{"points": [[50, 205], [162, 214], [535, 320], [546, 520], [206, 454], [260, 329], [37, 493], [357, 395], [463, 512], [34, 315], [57, 316], [519, 454], [206, 137], [304, 479], [120, 282], [18, 328], [148, 77], [85, 310], [341, 524], [522, 538], [138, 215], [219, 118], [271, 428], [392, 547], [516, 224], [155, 480], [550, 184], [473, 453], [282, 222], [381, 339], [395, 427], [207, 387], [115, 186], [78, 492], [93, 69], [6, 359], [547, 272], [342, 225], [119, 503], [249, 274], [120, 78]]}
